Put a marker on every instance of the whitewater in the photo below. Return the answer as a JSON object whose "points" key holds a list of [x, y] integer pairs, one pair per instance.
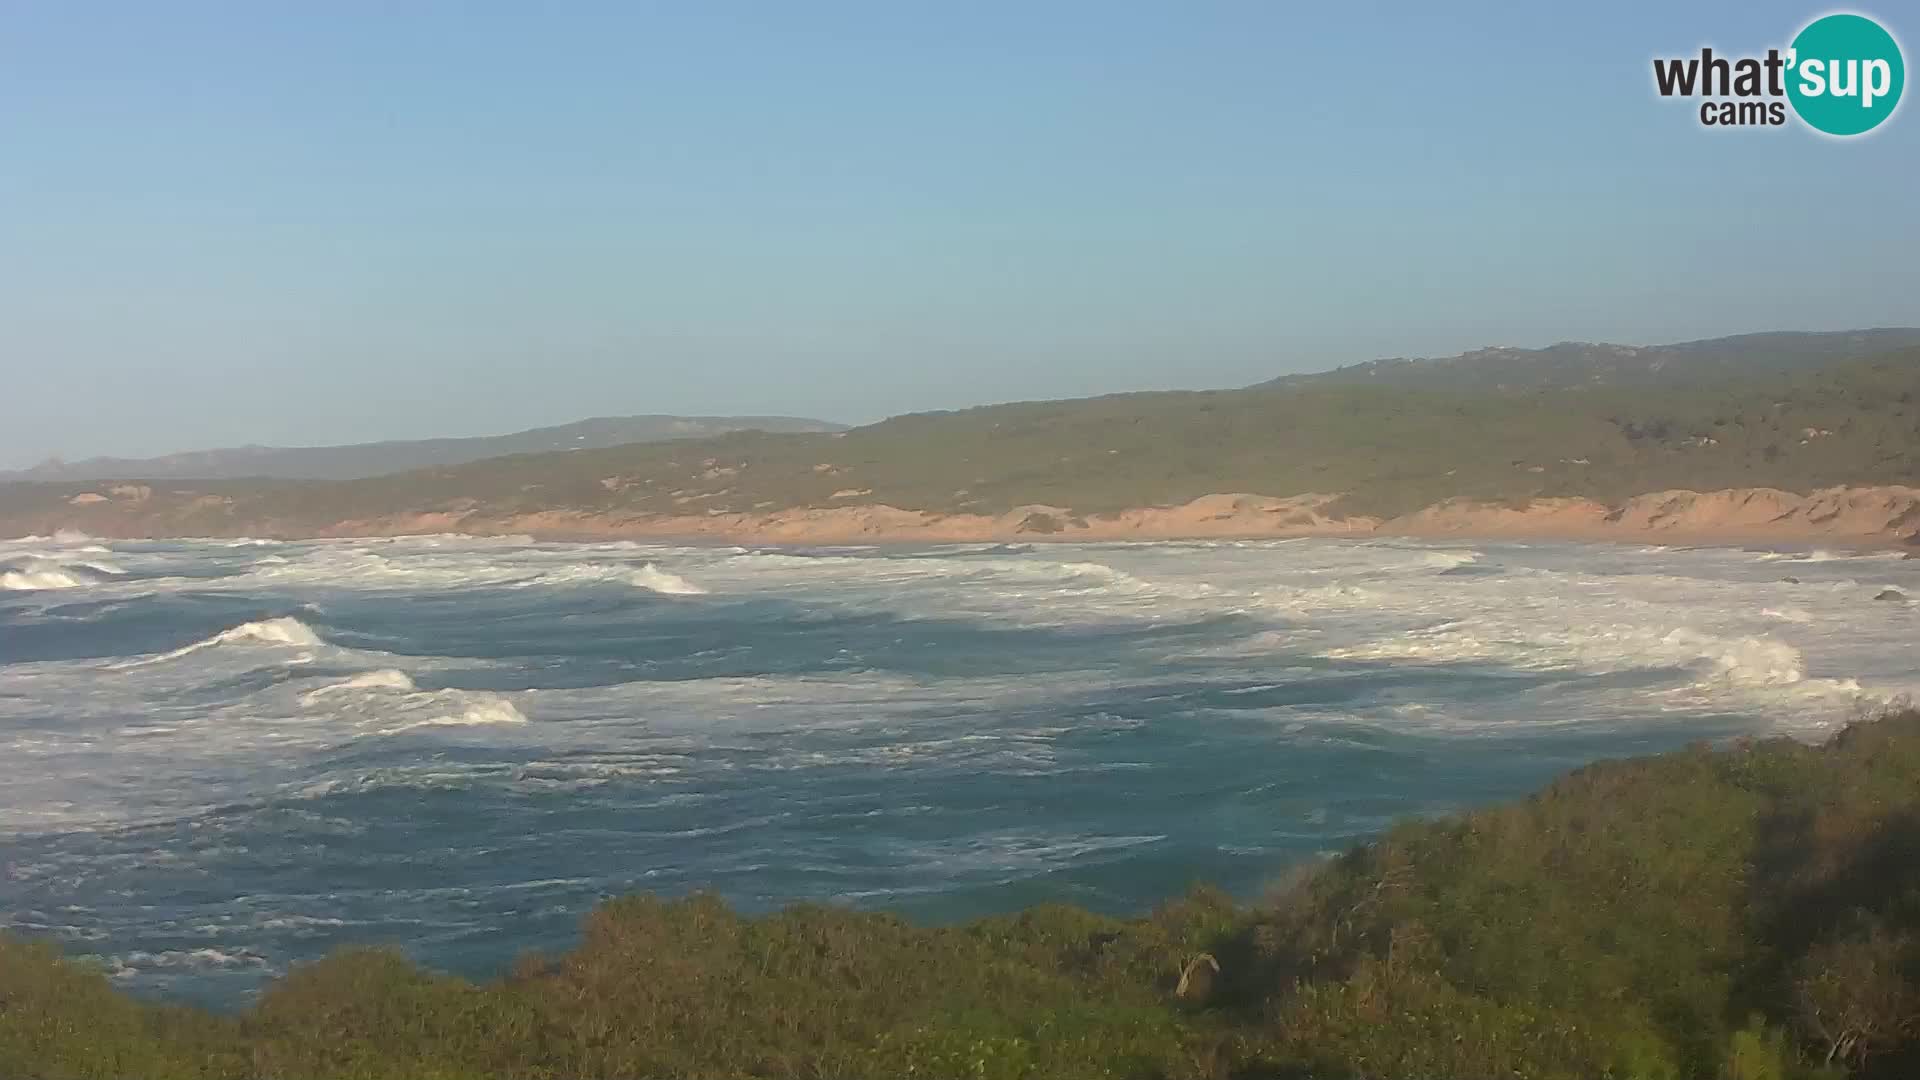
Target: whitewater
{"points": [[221, 758]]}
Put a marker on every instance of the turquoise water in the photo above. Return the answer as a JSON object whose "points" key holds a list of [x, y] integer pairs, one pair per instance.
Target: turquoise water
{"points": [[222, 758]]}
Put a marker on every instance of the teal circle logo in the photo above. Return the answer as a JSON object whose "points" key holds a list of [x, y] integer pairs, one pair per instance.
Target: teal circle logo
{"points": [[1845, 74]]}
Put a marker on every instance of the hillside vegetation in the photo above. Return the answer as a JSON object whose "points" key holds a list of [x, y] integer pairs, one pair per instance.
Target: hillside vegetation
{"points": [[1388, 447], [1574, 364], [1746, 913]]}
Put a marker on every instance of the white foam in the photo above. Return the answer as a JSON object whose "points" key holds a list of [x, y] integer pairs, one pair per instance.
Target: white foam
{"points": [[483, 710], [70, 536], [33, 580], [1594, 648], [135, 963], [1745, 662], [54, 570], [1822, 555], [298, 922], [654, 579]]}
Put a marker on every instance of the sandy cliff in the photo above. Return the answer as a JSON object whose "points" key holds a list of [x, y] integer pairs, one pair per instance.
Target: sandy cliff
{"points": [[1848, 515], [1869, 515]]}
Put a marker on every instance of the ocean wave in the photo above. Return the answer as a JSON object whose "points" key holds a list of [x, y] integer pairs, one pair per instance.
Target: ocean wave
{"points": [[34, 570], [1319, 597], [36, 580], [133, 964], [440, 776], [282, 631], [441, 709], [970, 552], [1716, 664], [1010, 579], [434, 540], [489, 709], [1823, 555], [299, 922], [1743, 662], [1449, 560], [654, 579], [379, 679]]}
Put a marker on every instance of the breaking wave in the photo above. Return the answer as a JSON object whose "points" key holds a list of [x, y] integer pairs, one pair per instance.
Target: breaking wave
{"points": [[483, 710], [284, 630], [36, 579], [380, 679], [654, 579], [1745, 662], [35, 571]]}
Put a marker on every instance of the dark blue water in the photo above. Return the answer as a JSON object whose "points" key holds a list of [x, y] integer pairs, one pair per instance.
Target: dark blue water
{"points": [[218, 760]]}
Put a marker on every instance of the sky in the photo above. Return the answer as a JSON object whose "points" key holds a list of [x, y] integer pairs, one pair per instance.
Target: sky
{"points": [[230, 223]]}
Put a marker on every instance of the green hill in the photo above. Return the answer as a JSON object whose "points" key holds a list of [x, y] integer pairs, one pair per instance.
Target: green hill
{"points": [[1388, 446], [1746, 913], [1572, 364]]}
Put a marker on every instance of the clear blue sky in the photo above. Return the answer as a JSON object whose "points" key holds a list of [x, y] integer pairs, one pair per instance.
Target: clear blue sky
{"points": [[309, 223]]}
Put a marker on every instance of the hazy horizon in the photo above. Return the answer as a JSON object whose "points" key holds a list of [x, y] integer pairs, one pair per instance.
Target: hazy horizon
{"points": [[235, 226]]}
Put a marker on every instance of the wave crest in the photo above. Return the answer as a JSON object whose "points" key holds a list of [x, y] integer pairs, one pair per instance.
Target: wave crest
{"points": [[1746, 662], [33, 571], [654, 579], [378, 679], [32, 580], [284, 630], [478, 710]]}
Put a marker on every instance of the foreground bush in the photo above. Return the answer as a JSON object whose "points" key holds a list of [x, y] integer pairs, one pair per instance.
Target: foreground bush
{"points": [[1750, 913]]}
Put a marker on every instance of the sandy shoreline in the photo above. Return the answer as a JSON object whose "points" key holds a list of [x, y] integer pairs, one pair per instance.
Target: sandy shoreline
{"points": [[1877, 517]]}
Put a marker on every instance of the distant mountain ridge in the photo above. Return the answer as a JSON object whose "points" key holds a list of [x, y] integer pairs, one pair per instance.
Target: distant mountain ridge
{"points": [[359, 460], [1570, 364]]}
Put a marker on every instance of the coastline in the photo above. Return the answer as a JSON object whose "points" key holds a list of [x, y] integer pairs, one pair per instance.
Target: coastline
{"points": [[1870, 517]]}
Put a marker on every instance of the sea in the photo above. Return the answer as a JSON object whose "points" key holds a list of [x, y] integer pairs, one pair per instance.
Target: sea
{"points": [[222, 758]]}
